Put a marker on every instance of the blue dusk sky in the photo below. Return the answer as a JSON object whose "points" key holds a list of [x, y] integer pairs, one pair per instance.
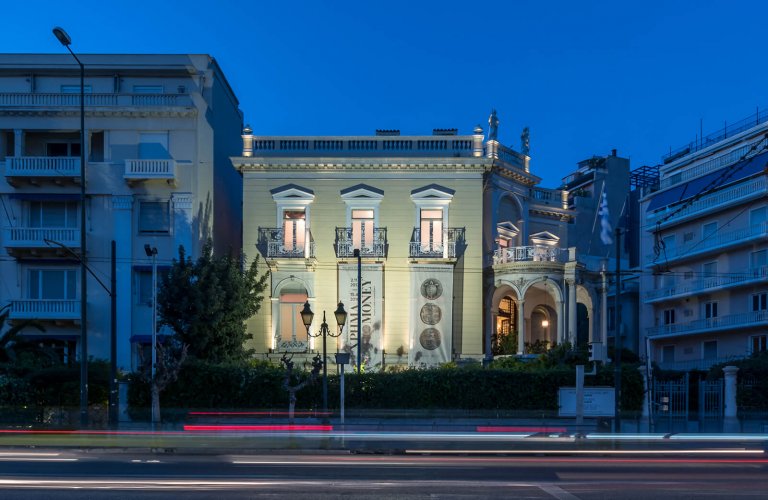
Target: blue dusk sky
{"points": [[586, 77]]}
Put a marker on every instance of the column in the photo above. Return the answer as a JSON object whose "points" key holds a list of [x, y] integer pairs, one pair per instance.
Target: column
{"points": [[731, 420], [560, 305], [122, 216], [491, 313], [520, 327], [182, 223], [572, 315], [18, 142]]}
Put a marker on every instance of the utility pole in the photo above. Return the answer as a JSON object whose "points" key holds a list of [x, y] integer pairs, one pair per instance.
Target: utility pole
{"points": [[617, 337]]}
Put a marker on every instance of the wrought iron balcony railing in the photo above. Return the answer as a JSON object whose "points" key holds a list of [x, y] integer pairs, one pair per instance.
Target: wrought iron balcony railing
{"points": [[538, 253], [448, 245], [370, 246], [273, 245]]}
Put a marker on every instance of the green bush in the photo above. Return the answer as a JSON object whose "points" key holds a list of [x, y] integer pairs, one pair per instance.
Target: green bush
{"points": [[206, 386]]}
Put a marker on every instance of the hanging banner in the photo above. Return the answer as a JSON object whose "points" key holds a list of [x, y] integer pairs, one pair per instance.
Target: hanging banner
{"points": [[371, 313], [431, 321]]}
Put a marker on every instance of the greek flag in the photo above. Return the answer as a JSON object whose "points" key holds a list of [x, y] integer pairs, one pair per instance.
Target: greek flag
{"points": [[605, 223]]}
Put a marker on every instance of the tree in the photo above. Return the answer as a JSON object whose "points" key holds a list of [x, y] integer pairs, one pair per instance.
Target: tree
{"points": [[169, 358], [287, 363], [207, 302], [9, 336]]}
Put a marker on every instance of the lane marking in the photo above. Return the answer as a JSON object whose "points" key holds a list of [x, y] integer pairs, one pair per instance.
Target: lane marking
{"points": [[557, 492]]}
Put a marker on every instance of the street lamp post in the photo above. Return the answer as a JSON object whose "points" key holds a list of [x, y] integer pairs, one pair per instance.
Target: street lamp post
{"points": [[152, 252], [66, 41], [341, 318]]}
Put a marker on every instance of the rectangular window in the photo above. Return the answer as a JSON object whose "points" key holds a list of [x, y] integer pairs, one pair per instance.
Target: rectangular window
{"points": [[710, 310], [758, 217], [709, 270], [431, 228], [668, 354], [760, 301], [362, 228], [294, 229], [153, 146], [52, 284], [62, 149], [709, 349], [144, 288], [669, 316], [611, 318], [708, 230], [154, 217], [53, 214], [147, 89], [688, 237], [758, 343], [758, 259], [668, 244], [75, 89]]}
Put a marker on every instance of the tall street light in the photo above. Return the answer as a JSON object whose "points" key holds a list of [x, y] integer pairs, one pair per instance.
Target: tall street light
{"points": [[66, 41], [152, 252], [341, 318]]}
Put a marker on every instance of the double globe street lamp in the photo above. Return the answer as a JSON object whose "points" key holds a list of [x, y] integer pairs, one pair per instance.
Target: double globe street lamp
{"points": [[341, 318]]}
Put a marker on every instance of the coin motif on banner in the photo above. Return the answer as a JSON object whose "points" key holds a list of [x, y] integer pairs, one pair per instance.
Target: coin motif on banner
{"points": [[431, 314], [431, 289], [430, 339]]}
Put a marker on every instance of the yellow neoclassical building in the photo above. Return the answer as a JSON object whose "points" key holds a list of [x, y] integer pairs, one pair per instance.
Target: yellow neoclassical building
{"points": [[435, 244]]}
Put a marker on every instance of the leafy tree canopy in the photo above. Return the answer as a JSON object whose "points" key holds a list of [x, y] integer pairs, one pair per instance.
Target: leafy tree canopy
{"points": [[207, 302]]}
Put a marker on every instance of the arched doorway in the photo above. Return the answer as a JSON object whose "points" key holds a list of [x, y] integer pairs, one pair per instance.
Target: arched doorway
{"points": [[504, 340]]}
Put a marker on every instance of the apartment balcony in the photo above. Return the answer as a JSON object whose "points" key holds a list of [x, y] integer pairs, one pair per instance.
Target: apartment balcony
{"points": [[370, 247], [34, 169], [273, 245], [53, 101], [713, 244], [752, 319], [45, 310], [147, 170], [537, 253], [708, 285], [724, 198], [449, 246], [31, 241]]}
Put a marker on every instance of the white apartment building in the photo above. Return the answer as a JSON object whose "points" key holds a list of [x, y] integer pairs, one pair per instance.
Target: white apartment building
{"points": [[159, 132], [704, 282]]}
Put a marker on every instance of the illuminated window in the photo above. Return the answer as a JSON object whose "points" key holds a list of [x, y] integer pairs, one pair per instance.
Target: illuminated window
{"points": [[294, 229], [362, 228], [431, 229]]}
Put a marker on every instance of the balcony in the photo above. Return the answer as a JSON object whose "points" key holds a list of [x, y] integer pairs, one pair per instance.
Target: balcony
{"points": [[710, 325], [35, 168], [272, 245], [375, 247], [449, 246], [45, 309], [708, 284], [145, 170], [19, 240], [716, 243], [531, 254], [719, 200], [27, 100]]}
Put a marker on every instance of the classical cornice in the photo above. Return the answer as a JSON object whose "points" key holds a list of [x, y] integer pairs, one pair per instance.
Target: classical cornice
{"points": [[116, 113], [362, 164]]}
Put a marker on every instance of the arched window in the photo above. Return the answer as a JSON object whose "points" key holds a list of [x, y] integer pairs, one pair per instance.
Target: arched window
{"points": [[292, 332]]}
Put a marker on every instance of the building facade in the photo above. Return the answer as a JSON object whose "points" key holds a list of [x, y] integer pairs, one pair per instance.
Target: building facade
{"points": [[159, 132], [459, 248], [704, 282]]}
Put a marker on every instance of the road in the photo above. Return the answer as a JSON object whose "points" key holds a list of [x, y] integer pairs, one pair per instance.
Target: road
{"points": [[59, 473]]}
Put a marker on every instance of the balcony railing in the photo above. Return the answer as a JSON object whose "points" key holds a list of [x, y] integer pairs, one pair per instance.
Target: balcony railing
{"points": [[696, 364], [45, 309], [719, 241], [346, 243], [724, 198], [447, 247], [56, 100], [34, 237], [728, 322], [758, 274], [531, 254], [272, 244], [42, 166], [149, 169], [363, 146]]}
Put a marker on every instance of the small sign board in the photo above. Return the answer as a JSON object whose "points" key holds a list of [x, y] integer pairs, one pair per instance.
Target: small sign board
{"points": [[598, 401]]}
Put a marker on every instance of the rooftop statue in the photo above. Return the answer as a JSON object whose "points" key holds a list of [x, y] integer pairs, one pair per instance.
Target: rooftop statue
{"points": [[493, 124], [525, 141]]}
